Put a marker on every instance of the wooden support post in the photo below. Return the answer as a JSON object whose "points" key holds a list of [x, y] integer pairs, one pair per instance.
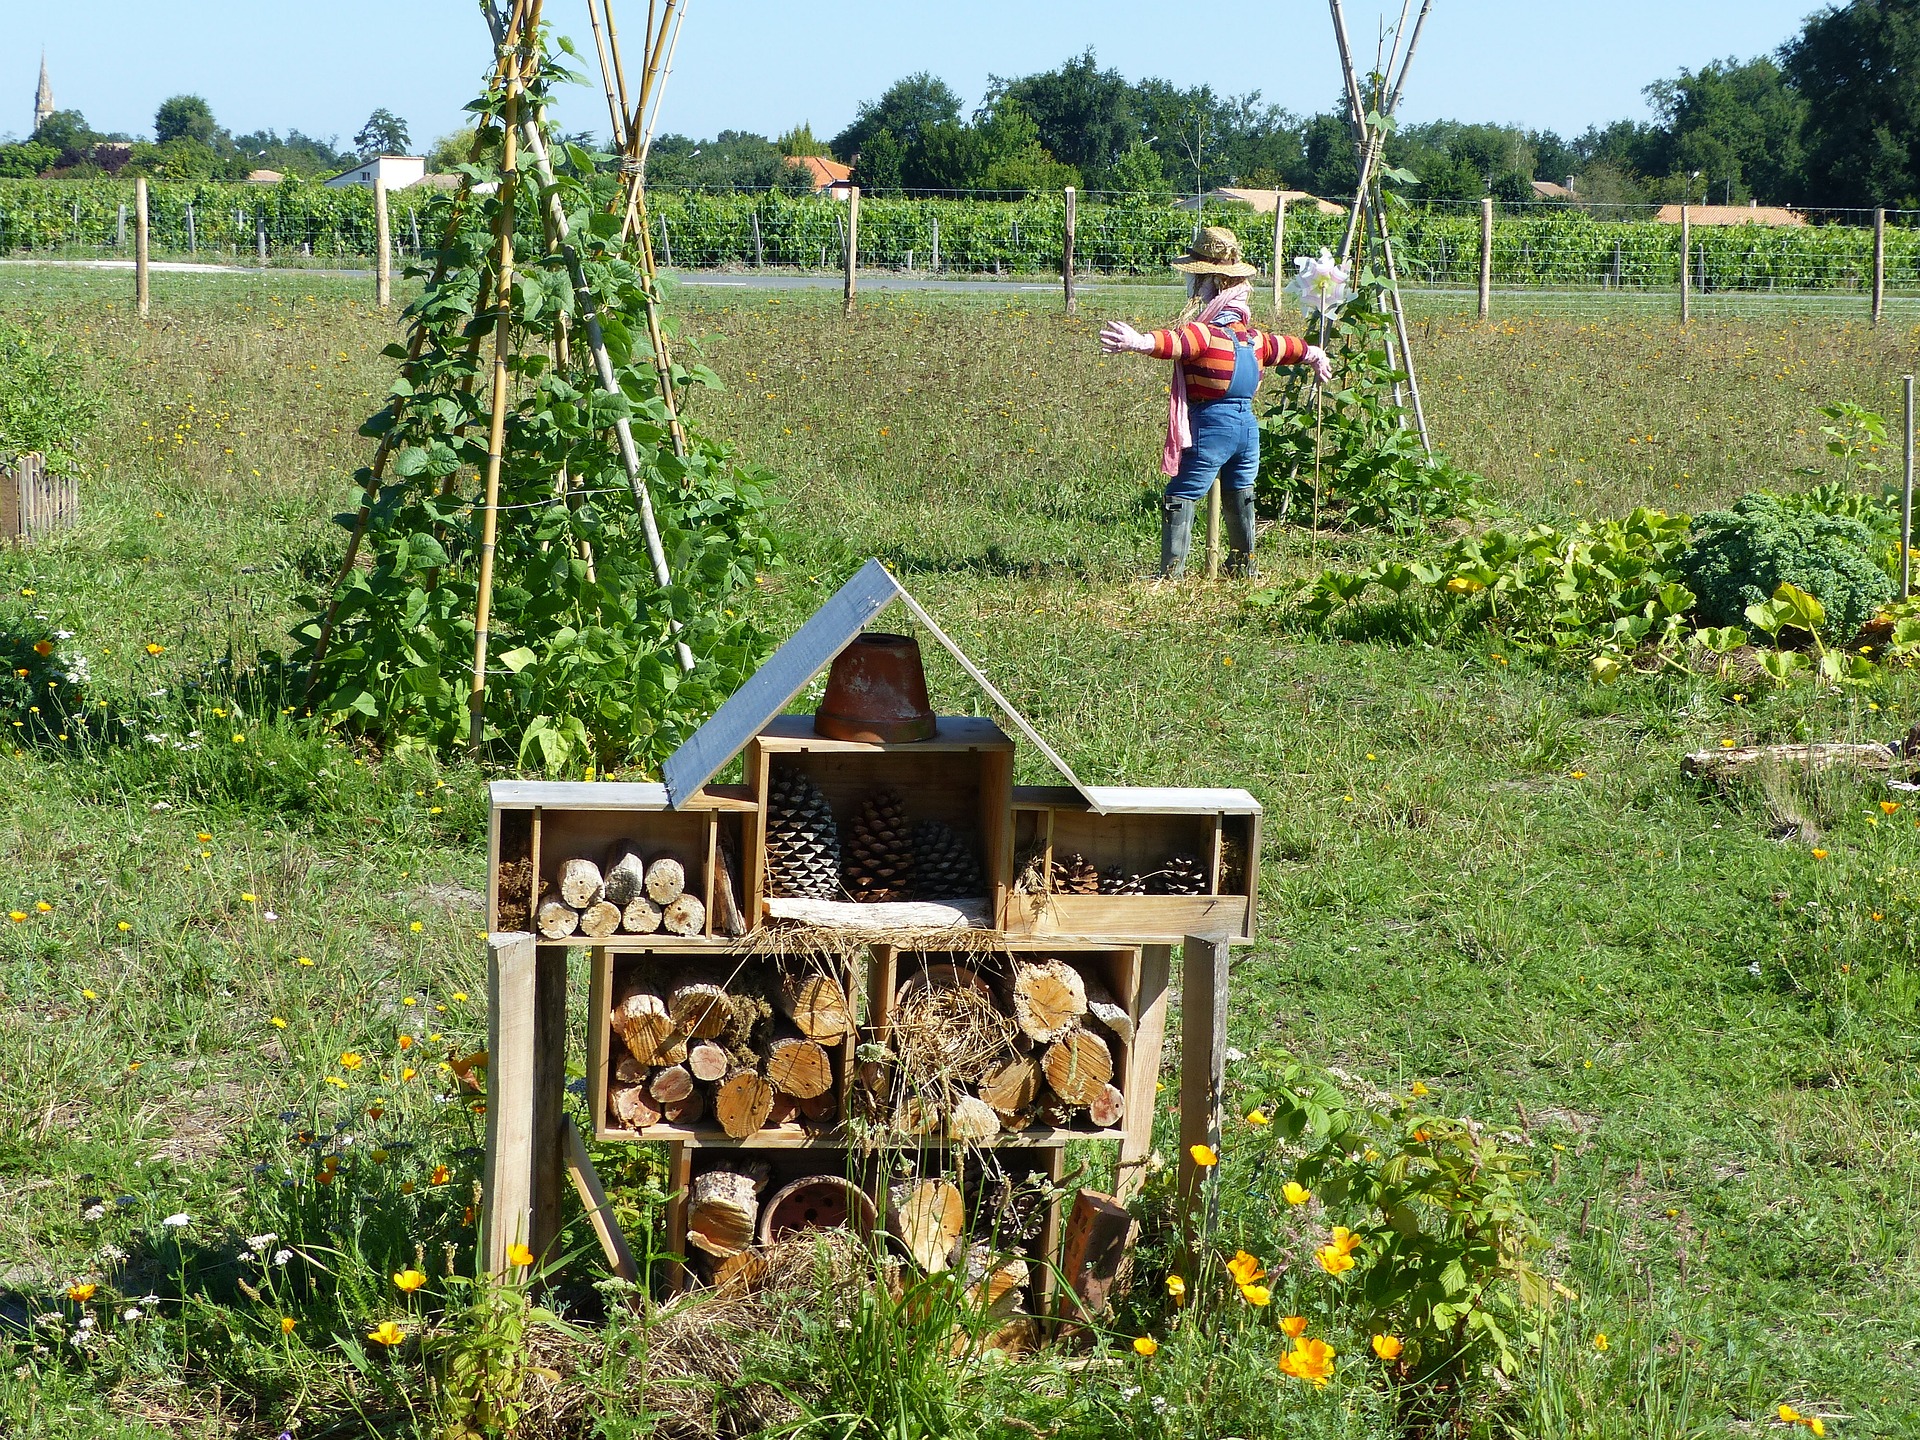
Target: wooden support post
{"points": [[508, 1197], [853, 241], [593, 1199], [142, 291], [1203, 1065], [759, 250], [1143, 1079], [260, 237], [120, 230], [1906, 488], [1686, 264], [1066, 257], [1279, 251], [936, 244], [1879, 263], [549, 1155], [383, 246], [1486, 257]]}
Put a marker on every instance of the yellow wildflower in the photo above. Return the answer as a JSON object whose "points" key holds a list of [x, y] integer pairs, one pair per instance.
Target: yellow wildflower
{"points": [[1145, 1345]]}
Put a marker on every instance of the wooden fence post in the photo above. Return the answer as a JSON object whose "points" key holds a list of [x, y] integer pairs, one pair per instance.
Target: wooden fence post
{"points": [[1686, 264], [1203, 1064], [1279, 250], [853, 241], [120, 230], [1066, 257], [1486, 257], [759, 251], [1879, 262], [141, 291], [383, 245], [936, 243], [1906, 490], [508, 1197], [260, 236]]}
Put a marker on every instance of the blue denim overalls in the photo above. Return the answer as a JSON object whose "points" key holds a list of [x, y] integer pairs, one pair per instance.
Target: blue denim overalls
{"points": [[1226, 437]]}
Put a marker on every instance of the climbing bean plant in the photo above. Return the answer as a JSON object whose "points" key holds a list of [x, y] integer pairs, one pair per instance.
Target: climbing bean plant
{"points": [[582, 669]]}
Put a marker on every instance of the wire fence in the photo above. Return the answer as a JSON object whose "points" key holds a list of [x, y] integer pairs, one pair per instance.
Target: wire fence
{"points": [[1601, 254]]}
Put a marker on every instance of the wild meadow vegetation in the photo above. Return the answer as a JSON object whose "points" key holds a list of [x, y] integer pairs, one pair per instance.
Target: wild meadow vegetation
{"points": [[1664, 1029]]}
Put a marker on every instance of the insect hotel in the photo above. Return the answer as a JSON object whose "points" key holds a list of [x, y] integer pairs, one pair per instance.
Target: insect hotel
{"points": [[875, 984]]}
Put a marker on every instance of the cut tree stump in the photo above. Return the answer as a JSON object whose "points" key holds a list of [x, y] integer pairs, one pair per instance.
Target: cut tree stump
{"points": [[684, 915], [801, 1068], [972, 1119], [1078, 1066], [928, 1217], [631, 1106], [1048, 998], [641, 1021], [600, 919], [816, 1004], [580, 882], [722, 1208], [1108, 1011], [707, 1061], [699, 1007], [1011, 1087], [742, 1103], [624, 873], [641, 917], [666, 879], [558, 919], [671, 1084]]}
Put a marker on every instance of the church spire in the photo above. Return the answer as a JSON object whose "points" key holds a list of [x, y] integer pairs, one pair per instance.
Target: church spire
{"points": [[43, 99]]}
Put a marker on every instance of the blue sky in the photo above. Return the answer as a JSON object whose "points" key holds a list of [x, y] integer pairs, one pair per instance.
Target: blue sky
{"points": [[765, 64]]}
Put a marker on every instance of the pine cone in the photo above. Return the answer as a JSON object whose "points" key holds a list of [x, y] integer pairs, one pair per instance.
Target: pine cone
{"points": [[880, 850], [1182, 875], [944, 865], [1122, 882], [1074, 874], [803, 842]]}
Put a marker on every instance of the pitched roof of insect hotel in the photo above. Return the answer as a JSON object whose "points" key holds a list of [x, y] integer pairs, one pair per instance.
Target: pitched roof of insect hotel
{"points": [[812, 648]]}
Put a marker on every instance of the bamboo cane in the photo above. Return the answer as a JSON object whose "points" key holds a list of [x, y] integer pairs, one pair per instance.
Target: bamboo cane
{"points": [[497, 425], [409, 368], [603, 364], [619, 131]]}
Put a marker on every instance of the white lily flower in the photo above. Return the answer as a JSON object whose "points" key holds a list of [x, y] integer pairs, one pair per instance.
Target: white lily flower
{"points": [[1319, 285]]}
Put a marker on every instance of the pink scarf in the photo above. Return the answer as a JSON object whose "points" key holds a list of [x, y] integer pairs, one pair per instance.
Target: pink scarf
{"points": [[1233, 299]]}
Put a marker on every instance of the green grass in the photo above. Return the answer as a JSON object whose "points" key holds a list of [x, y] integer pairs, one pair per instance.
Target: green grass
{"points": [[1699, 1030]]}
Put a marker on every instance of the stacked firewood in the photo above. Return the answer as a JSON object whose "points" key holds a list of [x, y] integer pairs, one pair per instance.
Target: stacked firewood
{"points": [[966, 1059], [627, 893], [694, 1052]]}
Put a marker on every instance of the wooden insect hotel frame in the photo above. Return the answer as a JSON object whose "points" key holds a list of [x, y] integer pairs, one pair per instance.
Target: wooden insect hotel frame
{"points": [[913, 1064]]}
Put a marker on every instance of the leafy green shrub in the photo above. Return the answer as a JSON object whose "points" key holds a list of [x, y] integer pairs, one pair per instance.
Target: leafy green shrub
{"points": [[47, 405], [1372, 469], [1740, 557], [43, 694]]}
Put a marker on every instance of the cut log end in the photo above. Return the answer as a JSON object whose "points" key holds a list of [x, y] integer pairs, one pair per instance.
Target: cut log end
{"points": [[641, 917], [1108, 1109], [928, 1217], [666, 880], [631, 1108], [1048, 998], [801, 1068], [816, 1004], [699, 1007], [972, 1120], [1078, 1066], [685, 915], [558, 919], [600, 919], [580, 882], [722, 1208], [742, 1103], [707, 1062]]}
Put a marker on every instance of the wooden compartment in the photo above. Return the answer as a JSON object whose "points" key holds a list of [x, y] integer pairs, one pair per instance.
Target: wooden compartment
{"points": [[902, 1094], [1010, 1202], [537, 827], [612, 1064], [1053, 824], [962, 777]]}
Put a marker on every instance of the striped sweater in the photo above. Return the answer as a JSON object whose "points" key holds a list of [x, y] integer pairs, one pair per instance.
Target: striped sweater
{"points": [[1206, 353]]}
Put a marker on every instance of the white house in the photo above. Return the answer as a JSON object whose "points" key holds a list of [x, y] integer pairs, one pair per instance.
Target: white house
{"points": [[397, 171]]}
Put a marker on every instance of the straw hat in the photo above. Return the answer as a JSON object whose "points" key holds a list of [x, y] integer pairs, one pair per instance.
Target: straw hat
{"points": [[1215, 251]]}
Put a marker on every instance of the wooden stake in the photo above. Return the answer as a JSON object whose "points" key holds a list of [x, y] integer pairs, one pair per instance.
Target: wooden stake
{"points": [[1686, 264], [853, 241], [1879, 263], [1906, 488], [497, 424], [593, 1199], [1066, 257], [383, 241], [142, 293], [1486, 257], [511, 961], [1279, 251], [1203, 1066]]}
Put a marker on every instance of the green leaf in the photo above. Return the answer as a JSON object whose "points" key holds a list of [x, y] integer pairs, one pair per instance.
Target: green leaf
{"points": [[518, 659]]}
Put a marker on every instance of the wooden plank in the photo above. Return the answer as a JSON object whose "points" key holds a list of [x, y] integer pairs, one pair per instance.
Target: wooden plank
{"points": [[593, 1199], [1143, 1076], [1170, 800], [508, 1196], [549, 1099], [679, 1176], [1203, 1066], [600, 1039], [575, 795], [1048, 1246], [785, 673]]}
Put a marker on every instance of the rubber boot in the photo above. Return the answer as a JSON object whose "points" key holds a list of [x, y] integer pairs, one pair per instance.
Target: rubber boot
{"points": [[1237, 508], [1176, 536]]}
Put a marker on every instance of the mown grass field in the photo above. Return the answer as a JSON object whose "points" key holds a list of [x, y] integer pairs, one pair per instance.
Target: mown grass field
{"points": [[1481, 872]]}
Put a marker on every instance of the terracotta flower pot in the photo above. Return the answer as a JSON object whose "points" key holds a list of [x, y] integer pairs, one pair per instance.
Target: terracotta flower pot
{"points": [[877, 693]]}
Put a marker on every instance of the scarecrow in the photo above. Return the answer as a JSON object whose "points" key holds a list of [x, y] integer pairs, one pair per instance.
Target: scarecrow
{"points": [[1211, 430]]}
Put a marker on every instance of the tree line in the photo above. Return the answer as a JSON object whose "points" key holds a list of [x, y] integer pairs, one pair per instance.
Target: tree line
{"points": [[1830, 119]]}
